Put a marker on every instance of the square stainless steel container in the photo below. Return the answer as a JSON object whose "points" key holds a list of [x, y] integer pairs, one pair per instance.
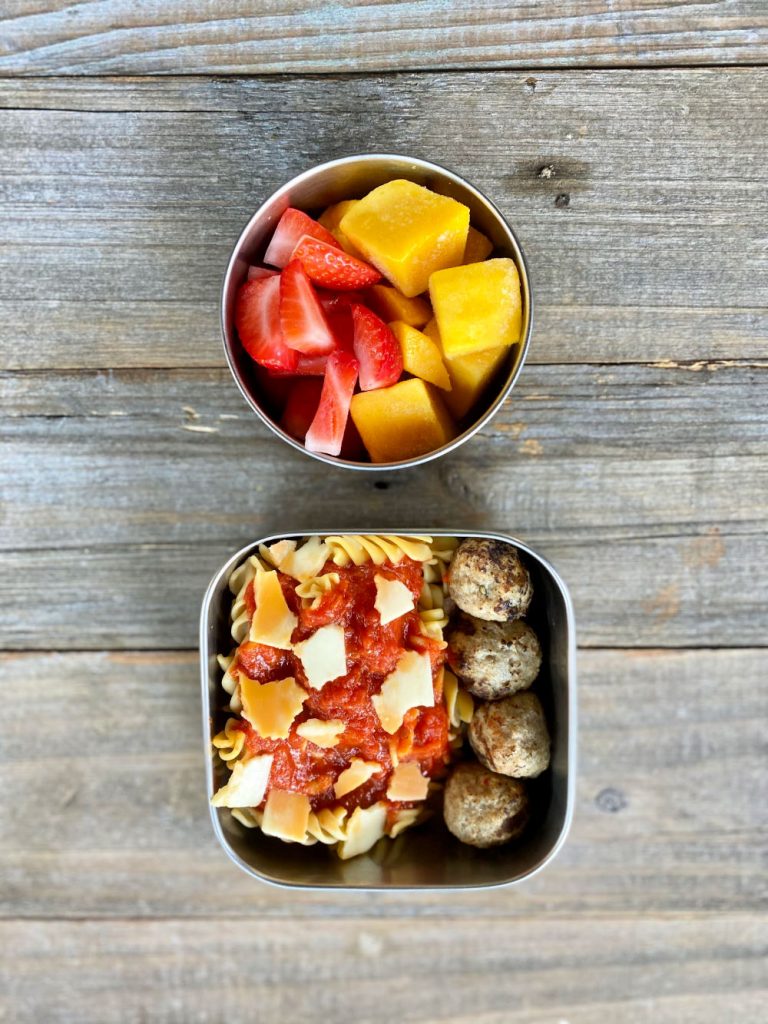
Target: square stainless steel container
{"points": [[428, 856]]}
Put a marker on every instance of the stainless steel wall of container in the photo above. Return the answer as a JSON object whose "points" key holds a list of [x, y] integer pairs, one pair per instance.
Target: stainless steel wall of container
{"points": [[348, 178], [428, 856]]}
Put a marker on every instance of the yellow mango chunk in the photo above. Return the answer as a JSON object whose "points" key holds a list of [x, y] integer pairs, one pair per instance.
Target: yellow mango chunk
{"points": [[391, 305], [331, 219], [478, 248], [469, 374], [402, 421], [421, 356], [477, 306], [408, 232]]}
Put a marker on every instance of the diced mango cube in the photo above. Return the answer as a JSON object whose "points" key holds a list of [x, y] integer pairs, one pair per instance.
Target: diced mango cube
{"points": [[421, 356], [390, 304], [402, 421], [478, 248], [331, 219], [477, 306], [408, 232], [469, 374]]}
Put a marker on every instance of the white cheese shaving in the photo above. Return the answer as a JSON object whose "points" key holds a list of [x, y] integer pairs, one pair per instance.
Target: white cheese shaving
{"points": [[409, 686], [273, 622], [358, 772], [247, 783], [393, 599], [322, 733], [407, 783], [323, 656], [271, 707], [286, 816]]}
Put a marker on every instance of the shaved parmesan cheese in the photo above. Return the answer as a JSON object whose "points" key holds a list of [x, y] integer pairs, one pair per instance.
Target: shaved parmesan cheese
{"points": [[322, 733], [276, 554], [302, 563], [273, 622], [323, 656], [286, 816], [358, 772], [364, 828], [393, 599], [409, 686], [407, 783], [247, 783], [271, 707]]}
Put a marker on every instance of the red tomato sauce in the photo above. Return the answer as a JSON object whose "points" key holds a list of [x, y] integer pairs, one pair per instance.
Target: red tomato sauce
{"points": [[372, 652]]}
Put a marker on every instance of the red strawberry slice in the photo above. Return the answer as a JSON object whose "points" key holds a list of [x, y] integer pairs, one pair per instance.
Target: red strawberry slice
{"points": [[332, 302], [377, 349], [301, 407], [302, 319], [257, 319], [254, 273], [291, 227], [326, 432], [307, 366], [331, 267]]}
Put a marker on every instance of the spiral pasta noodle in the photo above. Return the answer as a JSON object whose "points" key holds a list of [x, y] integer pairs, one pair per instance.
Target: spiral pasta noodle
{"points": [[229, 743], [313, 591], [359, 549]]}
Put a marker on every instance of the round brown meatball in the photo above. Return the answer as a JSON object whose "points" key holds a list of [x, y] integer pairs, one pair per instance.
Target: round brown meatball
{"points": [[510, 737], [482, 808], [493, 659], [487, 579]]}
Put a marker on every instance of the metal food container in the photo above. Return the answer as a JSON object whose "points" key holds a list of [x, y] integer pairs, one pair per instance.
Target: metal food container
{"points": [[426, 856], [349, 178]]}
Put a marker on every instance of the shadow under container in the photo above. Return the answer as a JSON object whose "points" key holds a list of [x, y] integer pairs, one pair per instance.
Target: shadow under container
{"points": [[351, 178], [426, 856]]}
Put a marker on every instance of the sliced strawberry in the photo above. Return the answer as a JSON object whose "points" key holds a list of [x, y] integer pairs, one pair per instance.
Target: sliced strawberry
{"points": [[301, 407], [377, 349], [352, 446], [332, 302], [331, 267], [302, 319], [257, 319], [307, 366], [254, 273], [291, 227], [327, 430]]}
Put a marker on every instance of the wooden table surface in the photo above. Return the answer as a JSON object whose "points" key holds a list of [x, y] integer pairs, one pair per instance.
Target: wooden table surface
{"points": [[136, 139]]}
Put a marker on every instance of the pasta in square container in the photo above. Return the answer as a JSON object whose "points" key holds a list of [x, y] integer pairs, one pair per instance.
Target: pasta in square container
{"points": [[389, 711]]}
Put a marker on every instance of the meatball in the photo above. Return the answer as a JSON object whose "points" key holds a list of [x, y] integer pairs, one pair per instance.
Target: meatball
{"points": [[510, 737], [484, 809], [487, 579], [493, 659]]}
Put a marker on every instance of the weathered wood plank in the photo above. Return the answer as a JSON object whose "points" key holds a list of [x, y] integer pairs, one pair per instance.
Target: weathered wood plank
{"points": [[689, 972], [104, 810], [123, 204], [121, 37], [646, 486]]}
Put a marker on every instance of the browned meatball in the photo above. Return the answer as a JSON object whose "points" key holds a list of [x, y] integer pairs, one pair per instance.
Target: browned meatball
{"points": [[493, 659], [487, 579], [511, 737], [482, 808]]}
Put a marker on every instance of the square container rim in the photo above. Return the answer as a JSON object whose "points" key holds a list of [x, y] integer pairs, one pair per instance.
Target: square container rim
{"points": [[205, 656]]}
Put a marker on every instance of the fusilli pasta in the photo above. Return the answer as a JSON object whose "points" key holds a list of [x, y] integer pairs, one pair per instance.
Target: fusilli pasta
{"points": [[359, 549], [229, 743]]}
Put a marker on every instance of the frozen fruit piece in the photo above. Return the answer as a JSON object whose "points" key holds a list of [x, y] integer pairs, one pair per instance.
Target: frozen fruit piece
{"points": [[390, 304], [402, 421], [376, 349], [478, 248], [257, 272], [331, 219], [257, 319], [307, 366], [477, 306], [326, 431], [421, 356], [292, 226], [302, 320], [338, 312], [331, 267], [408, 232], [301, 407], [469, 374]]}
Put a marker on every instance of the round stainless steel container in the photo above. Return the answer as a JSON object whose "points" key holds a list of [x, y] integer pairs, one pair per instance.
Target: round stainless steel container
{"points": [[349, 178]]}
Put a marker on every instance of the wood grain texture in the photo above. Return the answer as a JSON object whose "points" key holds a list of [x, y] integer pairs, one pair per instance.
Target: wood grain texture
{"points": [[670, 813], [122, 200], [645, 486], [408, 970], [284, 36]]}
